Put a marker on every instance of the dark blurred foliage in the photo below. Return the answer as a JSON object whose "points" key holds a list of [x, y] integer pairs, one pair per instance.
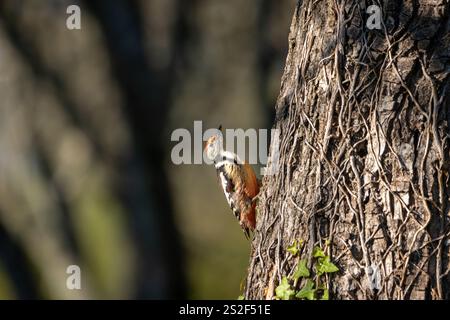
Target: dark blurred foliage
{"points": [[85, 121]]}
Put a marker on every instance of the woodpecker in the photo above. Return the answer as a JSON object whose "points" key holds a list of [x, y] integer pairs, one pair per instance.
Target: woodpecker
{"points": [[238, 182]]}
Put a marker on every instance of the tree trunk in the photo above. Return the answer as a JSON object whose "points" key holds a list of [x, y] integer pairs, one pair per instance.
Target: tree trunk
{"points": [[363, 157]]}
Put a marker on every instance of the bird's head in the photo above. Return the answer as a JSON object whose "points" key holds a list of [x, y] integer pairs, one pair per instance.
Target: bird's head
{"points": [[214, 145]]}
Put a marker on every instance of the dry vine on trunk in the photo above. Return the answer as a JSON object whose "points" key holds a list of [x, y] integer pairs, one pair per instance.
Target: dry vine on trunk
{"points": [[359, 208]]}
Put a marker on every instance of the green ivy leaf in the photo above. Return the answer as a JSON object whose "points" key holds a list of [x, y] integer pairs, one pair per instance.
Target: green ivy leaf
{"points": [[293, 249], [318, 253], [301, 271], [241, 297], [324, 265], [284, 290], [307, 292], [325, 295]]}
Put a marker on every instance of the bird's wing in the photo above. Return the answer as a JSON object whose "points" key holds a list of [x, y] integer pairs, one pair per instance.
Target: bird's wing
{"points": [[229, 185], [251, 185]]}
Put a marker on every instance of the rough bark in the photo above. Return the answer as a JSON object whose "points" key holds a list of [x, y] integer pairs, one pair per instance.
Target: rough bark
{"points": [[364, 153]]}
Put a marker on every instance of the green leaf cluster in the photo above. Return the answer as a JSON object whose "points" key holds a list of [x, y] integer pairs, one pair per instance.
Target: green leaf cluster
{"points": [[312, 289]]}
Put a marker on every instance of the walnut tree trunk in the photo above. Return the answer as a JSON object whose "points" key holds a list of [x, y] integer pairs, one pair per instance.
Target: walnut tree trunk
{"points": [[363, 174]]}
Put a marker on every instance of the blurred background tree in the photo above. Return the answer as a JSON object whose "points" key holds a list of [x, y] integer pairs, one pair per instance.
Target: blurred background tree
{"points": [[85, 123]]}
